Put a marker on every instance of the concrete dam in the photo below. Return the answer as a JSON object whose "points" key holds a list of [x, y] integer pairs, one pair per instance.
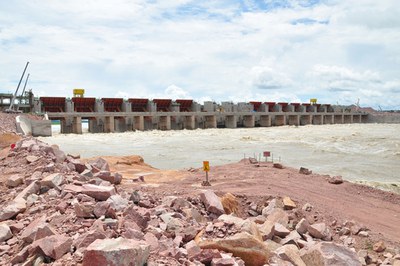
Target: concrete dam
{"points": [[108, 115]]}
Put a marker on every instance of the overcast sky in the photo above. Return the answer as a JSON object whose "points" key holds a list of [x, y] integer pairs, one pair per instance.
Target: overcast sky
{"points": [[288, 50]]}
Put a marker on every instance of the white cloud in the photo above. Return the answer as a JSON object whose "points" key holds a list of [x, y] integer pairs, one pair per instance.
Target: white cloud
{"points": [[219, 50]]}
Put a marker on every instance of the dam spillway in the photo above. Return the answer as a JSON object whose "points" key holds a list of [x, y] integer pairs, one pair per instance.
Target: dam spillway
{"points": [[108, 115]]}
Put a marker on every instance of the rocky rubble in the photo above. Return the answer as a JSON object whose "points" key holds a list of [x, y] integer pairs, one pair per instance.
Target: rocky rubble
{"points": [[58, 209]]}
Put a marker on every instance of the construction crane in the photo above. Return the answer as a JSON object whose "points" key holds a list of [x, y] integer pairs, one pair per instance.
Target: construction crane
{"points": [[11, 108]]}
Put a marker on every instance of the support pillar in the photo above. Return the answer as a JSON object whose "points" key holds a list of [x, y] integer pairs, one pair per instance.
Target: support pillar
{"points": [[210, 121], [96, 125], [347, 119], [280, 120], [338, 119], [164, 123], [66, 126], [356, 118], [139, 123], [189, 122], [294, 120], [317, 119], [230, 121], [77, 125], [328, 119], [109, 124], [265, 120], [305, 119], [249, 121], [120, 124]]}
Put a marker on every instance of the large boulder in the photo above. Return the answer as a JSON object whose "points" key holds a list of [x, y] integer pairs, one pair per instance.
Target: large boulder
{"points": [[244, 245], [5, 232], [13, 208], [54, 246], [98, 192], [329, 253], [15, 180], [52, 181], [37, 229], [290, 253], [119, 251], [212, 202]]}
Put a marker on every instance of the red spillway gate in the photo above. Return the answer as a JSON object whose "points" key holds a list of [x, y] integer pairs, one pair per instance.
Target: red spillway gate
{"points": [[185, 105], [163, 105], [270, 106], [83, 104], [53, 104], [112, 104], [296, 106], [138, 105], [256, 106]]}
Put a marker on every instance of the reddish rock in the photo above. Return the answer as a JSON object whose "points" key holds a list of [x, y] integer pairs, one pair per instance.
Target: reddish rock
{"points": [[79, 166], [140, 216], [73, 189], [212, 202], [119, 251], [37, 229], [101, 208], [84, 210], [117, 202], [33, 188], [89, 237], [192, 249], [99, 164], [319, 230], [13, 208], [223, 262], [288, 203], [14, 180], [98, 192], [291, 254], [5, 232], [280, 230], [379, 246], [52, 180], [329, 253], [305, 171], [278, 165], [152, 240], [16, 227], [21, 256], [302, 226], [54, 246], [336, 180], [31, 158]]}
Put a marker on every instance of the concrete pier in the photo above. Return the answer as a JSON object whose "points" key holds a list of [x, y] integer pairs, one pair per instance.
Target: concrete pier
{"points": [[347, 119], [279, 120], [318, 120], [265, 121], [248, 121], [189, 122], [338, 119], [328, 119], [138, 123], [230, 121], [164, 123], [305, 120], [210, 121], [293, 120]]}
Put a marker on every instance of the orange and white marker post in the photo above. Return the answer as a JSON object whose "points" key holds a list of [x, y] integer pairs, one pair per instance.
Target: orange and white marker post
{"points": [[206, 168]]}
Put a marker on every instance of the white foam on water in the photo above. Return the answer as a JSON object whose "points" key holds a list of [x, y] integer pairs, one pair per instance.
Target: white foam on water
{"points": [[358, 152]]}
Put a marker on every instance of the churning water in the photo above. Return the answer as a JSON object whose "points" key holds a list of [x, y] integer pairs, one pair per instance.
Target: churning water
{"points": [[359, 152]]}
